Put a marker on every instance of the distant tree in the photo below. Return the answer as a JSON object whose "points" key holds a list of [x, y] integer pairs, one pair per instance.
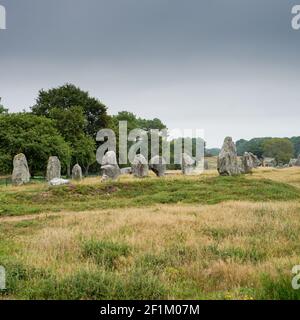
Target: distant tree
{"points": [[241, 146], [281, 149], [296, 142], [34, 136], [69, 96], [255, 145], [213, 152]]}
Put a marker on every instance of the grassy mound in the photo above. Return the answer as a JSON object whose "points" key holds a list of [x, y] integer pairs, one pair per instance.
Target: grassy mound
{"points": [[140, 193]]}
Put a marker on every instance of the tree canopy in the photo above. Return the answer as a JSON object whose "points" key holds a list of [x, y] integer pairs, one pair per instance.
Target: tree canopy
{"points": [[69, 96], [34, 136]]}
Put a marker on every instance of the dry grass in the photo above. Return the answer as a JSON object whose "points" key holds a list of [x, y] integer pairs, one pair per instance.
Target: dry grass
{"points": [[218, 249]]}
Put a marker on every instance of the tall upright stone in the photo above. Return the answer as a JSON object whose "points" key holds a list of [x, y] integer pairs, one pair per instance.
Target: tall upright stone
{"points": [[140, 166], [20, 173], [297, 163], [247, 163], [77, 172], [158, 165], [53, 169], [228, 160], [188, 164], [109, 166]]}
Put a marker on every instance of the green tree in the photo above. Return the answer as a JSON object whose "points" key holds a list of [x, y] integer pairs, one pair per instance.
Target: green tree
{"points": [[296, 142], [281, 149], [34, 136], [69, 96], [71, 123]]}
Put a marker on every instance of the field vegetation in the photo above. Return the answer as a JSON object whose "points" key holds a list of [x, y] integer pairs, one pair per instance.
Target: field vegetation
{"points": [[203, 237]]}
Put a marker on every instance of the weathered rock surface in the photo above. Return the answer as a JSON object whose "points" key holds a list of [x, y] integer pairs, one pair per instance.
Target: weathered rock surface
{"points": [[255, 160], [58, 182], [109, 166], [247, 163], [188, 164], [53, 169], [20, 173], [127, 170], [158, 165], [269, 162], [228, 160], [206, 165], [292, 162], [297, 163], [77, 172], [140, 166]]}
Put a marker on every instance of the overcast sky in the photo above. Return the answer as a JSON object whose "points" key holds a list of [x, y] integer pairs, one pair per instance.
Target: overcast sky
{"points": [[230, 67]]}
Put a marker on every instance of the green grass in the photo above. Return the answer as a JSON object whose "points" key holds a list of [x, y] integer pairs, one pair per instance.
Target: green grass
{"points": [[105, 253], [141, 193]]}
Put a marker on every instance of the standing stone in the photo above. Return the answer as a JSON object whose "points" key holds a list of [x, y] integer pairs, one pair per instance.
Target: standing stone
{"points": [[53, 169], [255, 160], [247, 163], [20, 173], [158, 165], [297, 163], [77, 172], [292, 162], [227, 159], [188, 164], [109, 166], [140, 166], [206, 165], [270, 162]]}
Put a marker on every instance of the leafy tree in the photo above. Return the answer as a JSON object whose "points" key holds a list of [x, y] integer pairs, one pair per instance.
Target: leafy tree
{"points": [[70, 124], [256, 146], [34, 136], [68, 96], [296, 142], [281, 149]]}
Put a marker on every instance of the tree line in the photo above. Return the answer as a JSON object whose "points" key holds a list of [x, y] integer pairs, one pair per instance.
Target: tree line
{"points": [[64, 122]]}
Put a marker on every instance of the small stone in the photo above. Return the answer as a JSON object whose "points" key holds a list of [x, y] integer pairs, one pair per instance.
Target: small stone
{"points": [[53, 169], [140, 166], [58, 182], [127, 170], [188, 164], [77, 172], [20, 173], [206, 165], [292, 162], [158, 165]]}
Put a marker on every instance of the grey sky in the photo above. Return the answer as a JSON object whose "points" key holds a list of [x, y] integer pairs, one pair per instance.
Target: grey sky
{"points": [[230, 67]]}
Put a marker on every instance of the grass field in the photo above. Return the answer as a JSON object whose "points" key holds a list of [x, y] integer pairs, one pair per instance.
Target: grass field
{"points": [[204, 237]]}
